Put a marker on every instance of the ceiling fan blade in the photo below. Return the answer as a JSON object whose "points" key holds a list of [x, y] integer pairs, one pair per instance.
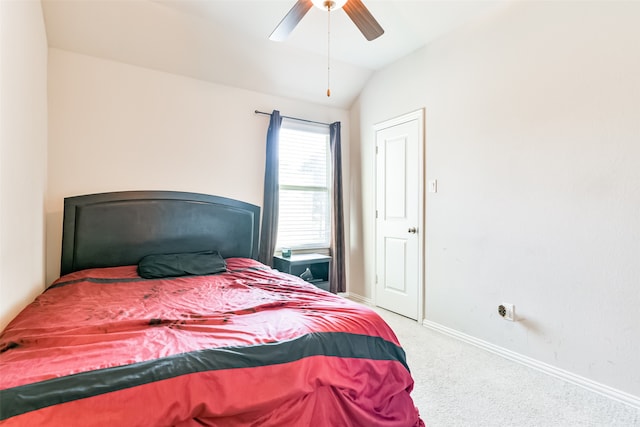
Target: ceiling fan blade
{"points": [[291, 19], [363, 19]]}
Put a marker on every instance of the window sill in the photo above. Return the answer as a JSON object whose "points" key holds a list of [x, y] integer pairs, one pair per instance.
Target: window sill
{"points": [[321, 251]]}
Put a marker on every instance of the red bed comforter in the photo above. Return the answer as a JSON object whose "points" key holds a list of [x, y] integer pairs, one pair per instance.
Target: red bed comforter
{"points": [[249, 347]]}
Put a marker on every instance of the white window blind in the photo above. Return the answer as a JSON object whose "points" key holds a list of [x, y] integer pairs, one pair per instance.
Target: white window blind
{"points": [[304, 163]]}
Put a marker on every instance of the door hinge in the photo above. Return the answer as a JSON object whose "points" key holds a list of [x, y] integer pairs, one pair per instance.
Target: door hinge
{"points": [[376, 213], [376, 279], [376, 149]]}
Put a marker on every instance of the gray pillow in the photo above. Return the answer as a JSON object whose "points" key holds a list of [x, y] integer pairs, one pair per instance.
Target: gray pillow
{"points": [[181, 264]]}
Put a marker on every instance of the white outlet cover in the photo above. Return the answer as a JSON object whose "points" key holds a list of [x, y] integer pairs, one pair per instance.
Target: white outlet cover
{"points": [[433, 186], [510, 312]]}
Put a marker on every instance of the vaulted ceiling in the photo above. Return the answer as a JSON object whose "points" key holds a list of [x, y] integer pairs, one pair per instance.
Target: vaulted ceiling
{"points": [[227, 41]]}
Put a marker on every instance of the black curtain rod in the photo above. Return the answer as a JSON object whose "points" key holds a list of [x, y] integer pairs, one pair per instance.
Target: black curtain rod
{"points": [[294, 118]]}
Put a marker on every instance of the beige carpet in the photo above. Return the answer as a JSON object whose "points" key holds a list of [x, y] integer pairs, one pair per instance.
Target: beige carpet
{"points": [[457, 384]]}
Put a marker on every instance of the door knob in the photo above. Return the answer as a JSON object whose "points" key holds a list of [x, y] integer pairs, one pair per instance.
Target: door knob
{"points": [[413, 230]]}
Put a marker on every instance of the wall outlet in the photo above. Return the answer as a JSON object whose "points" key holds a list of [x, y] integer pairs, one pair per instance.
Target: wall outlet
{"points": [[507, 311]]}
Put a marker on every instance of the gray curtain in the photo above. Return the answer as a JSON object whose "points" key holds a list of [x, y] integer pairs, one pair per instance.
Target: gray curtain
{"points": [[269, 229], [337, 280]]}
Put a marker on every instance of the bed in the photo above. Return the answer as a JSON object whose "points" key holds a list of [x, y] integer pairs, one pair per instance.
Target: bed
{"points": [[241, 345]]}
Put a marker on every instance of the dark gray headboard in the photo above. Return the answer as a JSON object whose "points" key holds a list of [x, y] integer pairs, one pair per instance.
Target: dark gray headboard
{"points": [[113, 229]]}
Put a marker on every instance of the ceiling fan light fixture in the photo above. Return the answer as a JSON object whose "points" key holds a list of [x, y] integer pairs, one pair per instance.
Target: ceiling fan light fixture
{"points": [[329, 4]]}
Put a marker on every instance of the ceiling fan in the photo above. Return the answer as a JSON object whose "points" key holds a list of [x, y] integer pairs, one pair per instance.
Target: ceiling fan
{"points": [[355, 9]]}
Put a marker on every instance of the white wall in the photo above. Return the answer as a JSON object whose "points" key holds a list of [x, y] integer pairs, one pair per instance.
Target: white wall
{"points": [[533, 133], [116, 127], [23, 147]]}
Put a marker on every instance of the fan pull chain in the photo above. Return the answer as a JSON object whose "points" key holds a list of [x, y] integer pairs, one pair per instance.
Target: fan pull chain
{"points": [[328, 51]]}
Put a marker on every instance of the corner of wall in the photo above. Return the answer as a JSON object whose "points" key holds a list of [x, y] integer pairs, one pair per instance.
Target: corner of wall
{"points": [[23, 154]]}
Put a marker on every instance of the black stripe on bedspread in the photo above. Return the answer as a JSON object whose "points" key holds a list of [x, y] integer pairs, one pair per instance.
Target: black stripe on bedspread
{"points": [[98, 280], [30, 397]]}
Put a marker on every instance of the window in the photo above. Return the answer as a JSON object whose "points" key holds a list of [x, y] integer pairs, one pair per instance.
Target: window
{"points": [[304, 162]]}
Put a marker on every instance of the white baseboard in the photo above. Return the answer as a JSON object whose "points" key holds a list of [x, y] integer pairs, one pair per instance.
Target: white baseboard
{"points": [[358, 298], [586, 383]]}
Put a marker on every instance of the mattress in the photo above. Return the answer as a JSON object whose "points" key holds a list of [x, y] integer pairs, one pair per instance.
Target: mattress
{"points": [[247, 347]]}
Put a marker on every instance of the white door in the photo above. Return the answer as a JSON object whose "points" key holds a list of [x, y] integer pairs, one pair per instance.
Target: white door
{"points": [[399, 214]]}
